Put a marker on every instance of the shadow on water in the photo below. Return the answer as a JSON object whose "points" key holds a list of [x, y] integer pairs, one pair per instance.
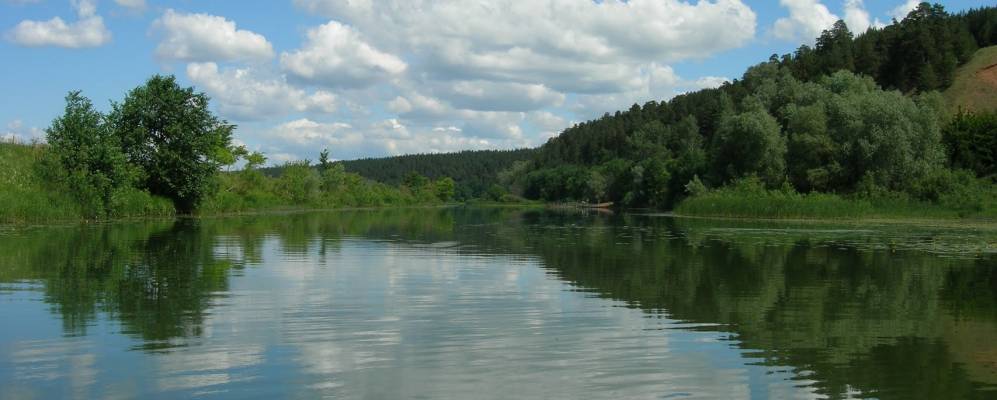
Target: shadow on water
{"points": [[887, 312]]}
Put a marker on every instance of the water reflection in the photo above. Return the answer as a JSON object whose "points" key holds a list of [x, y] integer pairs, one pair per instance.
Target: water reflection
{"points": [[849, 312], [497, 303]]}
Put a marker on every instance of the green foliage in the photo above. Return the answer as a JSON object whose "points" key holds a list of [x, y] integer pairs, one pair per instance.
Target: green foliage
{"points": [[28, 193], [748, 198], [24, 194], [80, 174], [944, 194], [335, 178], [971, 142], [473, 172], [86, 157], [169, 132], [749, 143], [415, 181], [564, 183], [301, 185], [132, 202], [825, 136], [445, 189], [254, 160], [918, 54], [497, 193], [845, 128], [298, 183], [323, 160], [955, 190], [880, 151]]}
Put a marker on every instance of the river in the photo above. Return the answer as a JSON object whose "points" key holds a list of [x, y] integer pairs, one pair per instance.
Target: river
{"points": [[496, 303]]}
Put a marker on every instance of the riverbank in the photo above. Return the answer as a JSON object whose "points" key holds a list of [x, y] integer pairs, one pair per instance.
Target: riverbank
{"points": [[756, 203], [27, 197]]}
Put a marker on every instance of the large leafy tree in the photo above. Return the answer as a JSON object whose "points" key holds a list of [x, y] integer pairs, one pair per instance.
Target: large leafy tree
{"points": [[87, 156], [168, 131], [750, 143]]}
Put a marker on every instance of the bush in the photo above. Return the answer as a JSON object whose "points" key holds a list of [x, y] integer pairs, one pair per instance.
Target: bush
{"points": [[86, 156], [971, 142], [298, 183]]}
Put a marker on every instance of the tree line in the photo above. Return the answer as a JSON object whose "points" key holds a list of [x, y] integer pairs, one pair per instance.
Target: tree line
{"points": [[825, 119], [474, 172], [325, 184], [918, 54]]}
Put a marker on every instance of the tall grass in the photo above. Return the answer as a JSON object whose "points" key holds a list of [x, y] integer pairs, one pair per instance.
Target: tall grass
{"points": [[748, 199], [25, 197], [731, 202], [244, 192]]}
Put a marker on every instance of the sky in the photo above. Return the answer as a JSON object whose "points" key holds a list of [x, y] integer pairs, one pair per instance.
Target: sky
{"points": [[370, 78]]}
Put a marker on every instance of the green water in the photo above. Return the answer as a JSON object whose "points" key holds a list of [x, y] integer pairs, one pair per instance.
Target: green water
{"points": [[496, 303]]}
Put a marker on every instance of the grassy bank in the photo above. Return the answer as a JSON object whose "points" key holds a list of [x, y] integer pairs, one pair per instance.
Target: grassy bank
{"points": [[22, 197], [27, 196], [750, 200]]}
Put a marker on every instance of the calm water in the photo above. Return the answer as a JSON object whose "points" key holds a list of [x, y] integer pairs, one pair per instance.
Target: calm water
{"points": [[495, 303]]}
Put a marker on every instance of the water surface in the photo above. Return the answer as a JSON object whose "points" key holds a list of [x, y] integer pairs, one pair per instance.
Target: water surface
{"points": [[496, 303]]}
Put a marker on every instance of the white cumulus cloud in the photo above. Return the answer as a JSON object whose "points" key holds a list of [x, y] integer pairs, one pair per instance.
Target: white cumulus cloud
{"points": [[806, 20], [87, 31], [505, 73], [499, 96], [336, 55], [900, 12], [857, 17], [204, 37], [242, 94], [564, 45], [309, 133], [405, 76]]}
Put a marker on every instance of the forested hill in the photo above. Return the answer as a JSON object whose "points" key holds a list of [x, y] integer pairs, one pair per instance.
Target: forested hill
{"points": [[920, 53], [851, 114], [474, 172]]}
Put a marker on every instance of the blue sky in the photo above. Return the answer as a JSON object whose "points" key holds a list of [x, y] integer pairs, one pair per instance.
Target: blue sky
{"points": [[384, 77]]}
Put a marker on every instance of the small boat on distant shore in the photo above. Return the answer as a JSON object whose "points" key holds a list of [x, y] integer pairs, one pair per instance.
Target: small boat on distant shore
{"points": [[600, 205], [588, 206]]}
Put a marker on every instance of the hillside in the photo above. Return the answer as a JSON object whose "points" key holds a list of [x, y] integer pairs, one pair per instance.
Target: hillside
{"points": [[975, 84], [474, 172], [855, 117]]}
